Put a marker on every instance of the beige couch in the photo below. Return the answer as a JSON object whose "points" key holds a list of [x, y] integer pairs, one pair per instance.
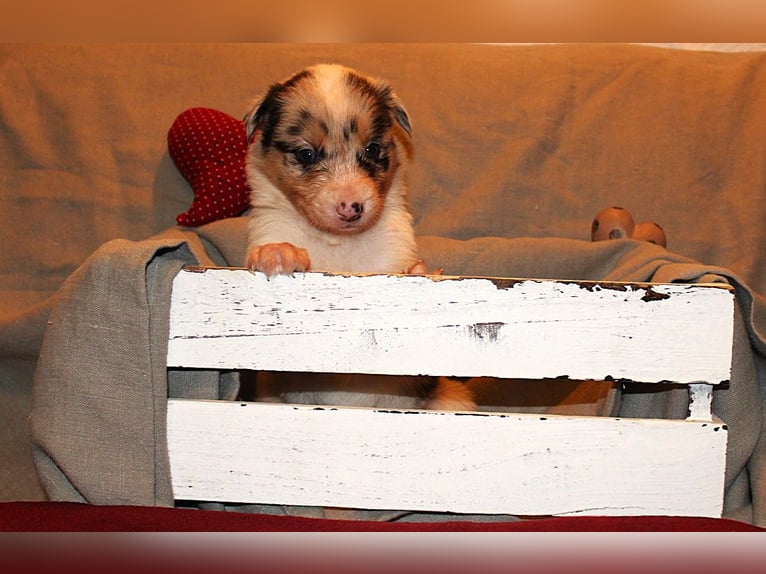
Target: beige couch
{"points": [[516, 149]]}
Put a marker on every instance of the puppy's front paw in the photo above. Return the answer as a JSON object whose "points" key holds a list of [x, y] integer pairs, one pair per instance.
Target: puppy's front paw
{"points": [[278, 259], [420, 268]]}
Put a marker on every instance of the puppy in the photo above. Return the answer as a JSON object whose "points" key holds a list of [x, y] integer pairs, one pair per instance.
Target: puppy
{"points": [[327, 168]]}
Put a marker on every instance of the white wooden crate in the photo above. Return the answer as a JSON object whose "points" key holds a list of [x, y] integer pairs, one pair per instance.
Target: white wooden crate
{"points": [[450, 462]]}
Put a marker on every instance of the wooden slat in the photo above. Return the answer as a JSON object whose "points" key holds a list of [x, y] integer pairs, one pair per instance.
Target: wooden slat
{"points": [[431, 461], [234, 319]]}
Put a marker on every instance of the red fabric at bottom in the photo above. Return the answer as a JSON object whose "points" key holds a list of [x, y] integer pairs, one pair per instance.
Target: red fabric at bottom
{"points": [[73, 517]]}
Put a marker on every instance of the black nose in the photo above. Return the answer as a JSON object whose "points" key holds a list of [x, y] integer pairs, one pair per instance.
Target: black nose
{"points": [[350, 212], [356, 207]]}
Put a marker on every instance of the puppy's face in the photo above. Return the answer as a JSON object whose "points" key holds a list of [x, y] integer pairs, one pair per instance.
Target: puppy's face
{"points": [[331, 141]]}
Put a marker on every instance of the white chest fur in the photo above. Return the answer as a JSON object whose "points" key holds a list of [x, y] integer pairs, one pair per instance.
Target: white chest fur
{"points": [[387, 247]]}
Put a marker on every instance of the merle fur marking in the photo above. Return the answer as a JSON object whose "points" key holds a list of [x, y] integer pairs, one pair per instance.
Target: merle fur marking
{"points": [[269, 114]]}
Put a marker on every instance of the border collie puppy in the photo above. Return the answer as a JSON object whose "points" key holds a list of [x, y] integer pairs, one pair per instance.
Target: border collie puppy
{"points": [[327, 167]]}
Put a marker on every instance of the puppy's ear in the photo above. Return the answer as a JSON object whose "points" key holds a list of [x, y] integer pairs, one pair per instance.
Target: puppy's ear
{"points": [[254, 118], [402, 117], [265, 113]]}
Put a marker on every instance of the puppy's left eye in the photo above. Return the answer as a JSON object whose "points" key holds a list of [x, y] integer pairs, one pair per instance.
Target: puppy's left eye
{"points": [[372, 150], [306, 156]]}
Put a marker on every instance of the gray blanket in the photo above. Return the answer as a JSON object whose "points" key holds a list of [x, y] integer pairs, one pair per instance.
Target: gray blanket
{"points": [[100, 387]]}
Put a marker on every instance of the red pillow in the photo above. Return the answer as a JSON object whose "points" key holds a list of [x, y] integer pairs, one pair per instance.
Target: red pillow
{"points": [[209, 148]]}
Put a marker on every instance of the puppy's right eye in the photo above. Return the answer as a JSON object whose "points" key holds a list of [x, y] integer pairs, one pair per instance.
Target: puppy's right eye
{"points": [[372, 150], [306, 156]]}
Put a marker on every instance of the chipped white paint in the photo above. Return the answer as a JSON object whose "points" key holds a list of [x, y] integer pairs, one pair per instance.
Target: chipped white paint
{"points": [[700, 402], [450, 462], [430, 461], [533, 329]]}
